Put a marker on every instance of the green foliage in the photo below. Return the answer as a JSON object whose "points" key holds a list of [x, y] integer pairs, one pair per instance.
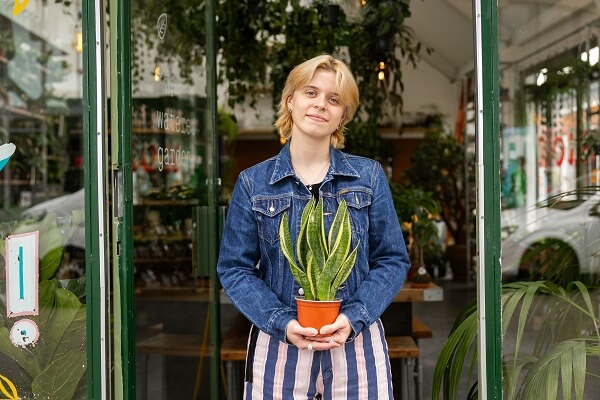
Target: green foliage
{"points": [[321, 262], [55, 367], [376, 36], [551, 260], [261, 41], [590, 143], [438, 166], [363, 139], [415, 209], [566, 337]]}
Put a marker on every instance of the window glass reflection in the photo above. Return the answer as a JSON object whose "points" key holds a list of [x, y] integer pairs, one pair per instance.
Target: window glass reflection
{"points": [[550, 195], [43, 310]]}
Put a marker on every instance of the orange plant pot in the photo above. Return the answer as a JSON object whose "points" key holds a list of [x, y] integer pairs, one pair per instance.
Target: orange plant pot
{"points": [[316, 314]]}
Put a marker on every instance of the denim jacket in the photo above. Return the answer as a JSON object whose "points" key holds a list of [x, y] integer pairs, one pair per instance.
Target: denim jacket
{"points": [[252, 268]]}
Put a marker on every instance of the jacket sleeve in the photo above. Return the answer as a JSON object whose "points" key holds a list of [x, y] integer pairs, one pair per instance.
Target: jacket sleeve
{"points": [[238, 270], [388, 259]]}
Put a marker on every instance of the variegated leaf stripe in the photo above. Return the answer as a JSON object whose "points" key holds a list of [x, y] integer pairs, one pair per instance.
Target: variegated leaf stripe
{"points": [[287, 248]]}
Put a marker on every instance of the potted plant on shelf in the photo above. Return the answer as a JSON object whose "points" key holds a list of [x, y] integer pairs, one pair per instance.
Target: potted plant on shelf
{"points": [[321, 263], [415, 209], [440, 165], [421, 279]]}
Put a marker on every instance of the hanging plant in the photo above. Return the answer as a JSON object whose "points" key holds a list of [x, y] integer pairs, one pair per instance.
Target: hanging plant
{"points": [[260, 42], [590, 143]]}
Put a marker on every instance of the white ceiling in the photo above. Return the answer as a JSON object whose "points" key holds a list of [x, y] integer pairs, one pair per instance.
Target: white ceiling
{"points": [[525, 27]]}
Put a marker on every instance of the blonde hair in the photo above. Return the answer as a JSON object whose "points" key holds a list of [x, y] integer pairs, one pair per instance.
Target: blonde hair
{"points": [[301, 75]]}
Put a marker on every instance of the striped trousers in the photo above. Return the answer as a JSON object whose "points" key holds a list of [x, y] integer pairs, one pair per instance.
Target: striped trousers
{"points": [[359, 370]]}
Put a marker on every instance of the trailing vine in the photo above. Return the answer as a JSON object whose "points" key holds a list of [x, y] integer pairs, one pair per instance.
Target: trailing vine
{"points": [[260, 41]]}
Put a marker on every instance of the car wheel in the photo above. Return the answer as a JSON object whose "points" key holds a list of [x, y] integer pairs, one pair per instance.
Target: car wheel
{"points": [[552, 260]]}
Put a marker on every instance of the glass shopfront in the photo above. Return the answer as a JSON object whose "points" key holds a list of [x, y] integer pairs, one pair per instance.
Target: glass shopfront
{"points": [[45, 310], [109, 200], [550, 216]]}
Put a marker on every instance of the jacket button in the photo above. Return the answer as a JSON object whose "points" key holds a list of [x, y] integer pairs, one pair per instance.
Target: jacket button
{"points": [[301, 292]]}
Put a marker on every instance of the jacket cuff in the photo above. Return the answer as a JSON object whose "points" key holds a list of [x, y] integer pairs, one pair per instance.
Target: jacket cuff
{"points": [[278, 322], [358, 317]]}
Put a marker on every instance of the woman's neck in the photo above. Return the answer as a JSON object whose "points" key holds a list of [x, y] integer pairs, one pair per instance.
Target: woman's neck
{"points": [[309, 155], [311, 163]]}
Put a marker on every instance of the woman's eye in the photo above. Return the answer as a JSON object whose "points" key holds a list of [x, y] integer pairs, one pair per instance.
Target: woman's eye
{"points": [[334, 100], [310, 92]]}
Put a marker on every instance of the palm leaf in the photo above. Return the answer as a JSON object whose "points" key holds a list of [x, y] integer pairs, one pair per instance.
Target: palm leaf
{"points": [[568, 335], [542, 377], [448, 368]]}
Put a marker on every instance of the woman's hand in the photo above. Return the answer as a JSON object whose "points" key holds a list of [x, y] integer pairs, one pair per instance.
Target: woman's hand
{"points": [[338, 332], [332, 336], [299, 336]]}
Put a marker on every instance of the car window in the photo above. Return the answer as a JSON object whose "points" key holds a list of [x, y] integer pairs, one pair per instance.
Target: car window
{"points": [[568, 200]]}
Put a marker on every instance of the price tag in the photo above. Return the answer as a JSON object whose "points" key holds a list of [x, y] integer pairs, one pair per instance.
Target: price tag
{"points": [[22, 274]]}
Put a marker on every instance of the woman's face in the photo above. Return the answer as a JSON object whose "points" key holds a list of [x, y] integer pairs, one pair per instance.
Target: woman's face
{"points": [[316, 107]]}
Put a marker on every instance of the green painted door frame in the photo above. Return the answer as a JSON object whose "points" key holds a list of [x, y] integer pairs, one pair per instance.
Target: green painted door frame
{"points": [[121, 218], [488, 227], [488, 198], [122, 201], [94, 183], [213, 205]]}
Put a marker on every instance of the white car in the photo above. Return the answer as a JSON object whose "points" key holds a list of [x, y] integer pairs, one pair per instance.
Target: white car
{"points": [[570, 219], [62, 207]]}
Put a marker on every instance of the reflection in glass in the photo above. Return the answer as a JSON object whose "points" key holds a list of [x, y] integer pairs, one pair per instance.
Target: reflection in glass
{"points": [[42, 190], [550, 196]]}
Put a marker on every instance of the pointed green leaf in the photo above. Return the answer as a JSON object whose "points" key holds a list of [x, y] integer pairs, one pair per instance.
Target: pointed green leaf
{"points": [[302, 248], [335, 262], [60, 379], [337, 225], [313, 273], [344, 272], [316, 235], [287, 248]]}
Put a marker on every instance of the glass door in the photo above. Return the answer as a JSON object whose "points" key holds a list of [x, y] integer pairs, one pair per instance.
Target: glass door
{"points": [[164, 194], [48, 317]]}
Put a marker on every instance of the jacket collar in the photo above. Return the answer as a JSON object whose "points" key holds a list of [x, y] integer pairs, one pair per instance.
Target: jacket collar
{"points": [[283, 165]]}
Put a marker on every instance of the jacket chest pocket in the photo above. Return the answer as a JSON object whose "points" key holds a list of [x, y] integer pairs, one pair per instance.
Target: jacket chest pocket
{"points": [[268, 212], [358, 202]]}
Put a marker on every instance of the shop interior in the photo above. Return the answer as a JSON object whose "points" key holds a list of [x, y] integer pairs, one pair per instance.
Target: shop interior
{"points": [[549, 90]]}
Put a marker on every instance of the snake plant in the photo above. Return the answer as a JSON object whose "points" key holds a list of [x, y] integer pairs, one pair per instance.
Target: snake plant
{"points": [[321, 263]]}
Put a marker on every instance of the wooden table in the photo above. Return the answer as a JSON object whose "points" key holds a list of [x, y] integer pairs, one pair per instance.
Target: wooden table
{"points": [[409, 293]]}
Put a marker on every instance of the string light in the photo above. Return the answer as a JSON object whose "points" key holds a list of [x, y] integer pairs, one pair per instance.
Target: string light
{"points": [[381, 75], [78, 42], [156, 73], [363, 2]]}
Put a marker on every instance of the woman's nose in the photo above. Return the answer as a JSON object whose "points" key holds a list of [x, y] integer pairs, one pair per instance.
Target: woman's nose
{"points": [[320, 102]]}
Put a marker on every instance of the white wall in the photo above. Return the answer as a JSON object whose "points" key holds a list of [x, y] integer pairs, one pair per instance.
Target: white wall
{"points": [[424, 87], [425, 91]]}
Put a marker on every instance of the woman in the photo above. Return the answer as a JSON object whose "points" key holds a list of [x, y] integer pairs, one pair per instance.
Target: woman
{"points": [[284, 359]]}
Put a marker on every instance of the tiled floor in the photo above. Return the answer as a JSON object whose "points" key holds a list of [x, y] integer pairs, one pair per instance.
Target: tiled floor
{"points": [[440, 316]]}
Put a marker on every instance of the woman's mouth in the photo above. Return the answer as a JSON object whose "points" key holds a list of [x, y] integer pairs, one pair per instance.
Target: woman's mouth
{"points": [[317, 117]]}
